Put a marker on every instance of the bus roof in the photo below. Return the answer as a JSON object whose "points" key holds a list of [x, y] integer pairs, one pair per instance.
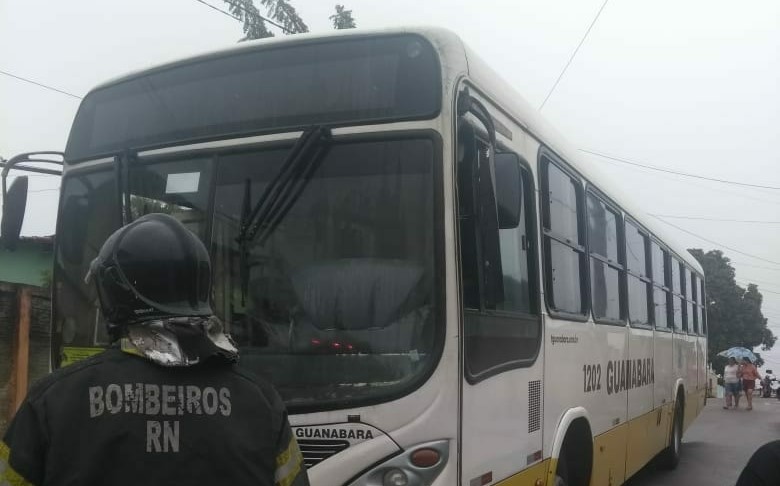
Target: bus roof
{"points": [[504, 95]]}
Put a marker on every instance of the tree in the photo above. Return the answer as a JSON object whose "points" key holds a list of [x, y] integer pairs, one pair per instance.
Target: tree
{"points": [[734, 315], [342, 19], [255, 27], [280, 12]]}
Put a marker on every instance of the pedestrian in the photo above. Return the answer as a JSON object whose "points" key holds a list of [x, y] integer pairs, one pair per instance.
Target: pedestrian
{"points": [[731, 383], [763, 468], [749, 376], [166, 403]]}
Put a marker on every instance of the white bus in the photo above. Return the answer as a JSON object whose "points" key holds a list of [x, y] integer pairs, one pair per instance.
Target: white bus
{"points": [[441, 289]]}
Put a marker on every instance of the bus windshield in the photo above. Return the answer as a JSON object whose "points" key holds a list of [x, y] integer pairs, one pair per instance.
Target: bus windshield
{"points": [[336, 304]]}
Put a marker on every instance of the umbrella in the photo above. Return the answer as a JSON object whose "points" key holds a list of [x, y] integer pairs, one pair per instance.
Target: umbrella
{"points": [[738, 353]]}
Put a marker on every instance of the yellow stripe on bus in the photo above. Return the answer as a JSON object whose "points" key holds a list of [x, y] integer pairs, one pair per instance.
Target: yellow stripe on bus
{"points": [[648, 435], [694, 403], [533, 476], [609, 456], [620, 452]]}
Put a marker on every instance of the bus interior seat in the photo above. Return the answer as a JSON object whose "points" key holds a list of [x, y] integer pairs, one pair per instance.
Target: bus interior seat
{"points": [[375, 305], [358, 294]]}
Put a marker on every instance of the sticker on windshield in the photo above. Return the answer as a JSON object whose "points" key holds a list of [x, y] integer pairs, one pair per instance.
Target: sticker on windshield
{"points": [[182, 183]]}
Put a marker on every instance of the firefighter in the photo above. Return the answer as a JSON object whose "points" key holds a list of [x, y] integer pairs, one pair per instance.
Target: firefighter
{"points": [[166, 404]]}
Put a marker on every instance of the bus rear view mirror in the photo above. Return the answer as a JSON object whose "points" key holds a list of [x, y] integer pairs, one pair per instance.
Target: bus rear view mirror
{"points": [[14, 206], [509, 195]]}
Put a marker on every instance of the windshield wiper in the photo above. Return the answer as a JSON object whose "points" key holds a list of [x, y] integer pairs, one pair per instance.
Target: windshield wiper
{"points": [[286, 186], [281, 193]]}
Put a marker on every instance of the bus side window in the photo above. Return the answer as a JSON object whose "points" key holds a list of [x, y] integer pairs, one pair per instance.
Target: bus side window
{"points": [[693, 315], [640, 289], [515, 242], [467, 217], [660, 294], [516, 259], [606, 261], [702, 308], [677, 299], [564, 241], [504, 334]]}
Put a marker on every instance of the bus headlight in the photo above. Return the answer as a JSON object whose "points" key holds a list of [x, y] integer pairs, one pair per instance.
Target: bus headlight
{"points": [[418, 465], [396, 477]]}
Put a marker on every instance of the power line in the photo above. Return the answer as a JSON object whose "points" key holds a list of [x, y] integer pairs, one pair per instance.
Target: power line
{"points": [[746, 283], [248, 12], [760, 282], [40, 84], [682, 174], [715, 219], [573, 54], [219, 10], [716, 243], [754, 266], [690, 184]]}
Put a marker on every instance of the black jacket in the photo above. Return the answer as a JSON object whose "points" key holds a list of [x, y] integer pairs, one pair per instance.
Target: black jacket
{"points": [[763, 468], [118, 419]]}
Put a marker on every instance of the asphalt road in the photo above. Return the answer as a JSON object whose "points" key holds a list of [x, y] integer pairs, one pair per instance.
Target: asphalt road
{"points": [[718, 445]]}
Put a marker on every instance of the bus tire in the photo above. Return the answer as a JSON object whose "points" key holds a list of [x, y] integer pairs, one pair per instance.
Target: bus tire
{"points": [[576, 456], [670, 457], [562, 471]]}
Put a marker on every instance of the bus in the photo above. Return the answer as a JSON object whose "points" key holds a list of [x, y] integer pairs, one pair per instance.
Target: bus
{"points": [[440, 287]]}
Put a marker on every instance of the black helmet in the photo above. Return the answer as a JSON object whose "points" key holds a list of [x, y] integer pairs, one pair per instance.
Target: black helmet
{"points": [[152, 268]]}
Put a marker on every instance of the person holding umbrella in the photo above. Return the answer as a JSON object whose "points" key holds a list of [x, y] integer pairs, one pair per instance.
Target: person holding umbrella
{"points": [[734, 354], [749, 374], [731, 383]]}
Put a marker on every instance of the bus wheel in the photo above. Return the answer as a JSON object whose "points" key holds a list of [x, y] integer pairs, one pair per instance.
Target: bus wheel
{"points": [[562, 471], [671, 455], [576, 456]]}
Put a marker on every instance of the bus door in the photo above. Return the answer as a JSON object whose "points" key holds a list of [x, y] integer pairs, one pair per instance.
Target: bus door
{"points": [[501, 430]]}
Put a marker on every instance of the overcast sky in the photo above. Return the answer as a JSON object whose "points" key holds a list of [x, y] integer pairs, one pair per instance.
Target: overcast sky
{"points": [[688, 86]]}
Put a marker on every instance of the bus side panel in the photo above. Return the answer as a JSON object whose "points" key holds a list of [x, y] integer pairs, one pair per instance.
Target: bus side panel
{"points": [[692, 364], [495, 438], [641, 420], [665, 377], [585, 366], [609, 451], [701, 353], [682, 355]]}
